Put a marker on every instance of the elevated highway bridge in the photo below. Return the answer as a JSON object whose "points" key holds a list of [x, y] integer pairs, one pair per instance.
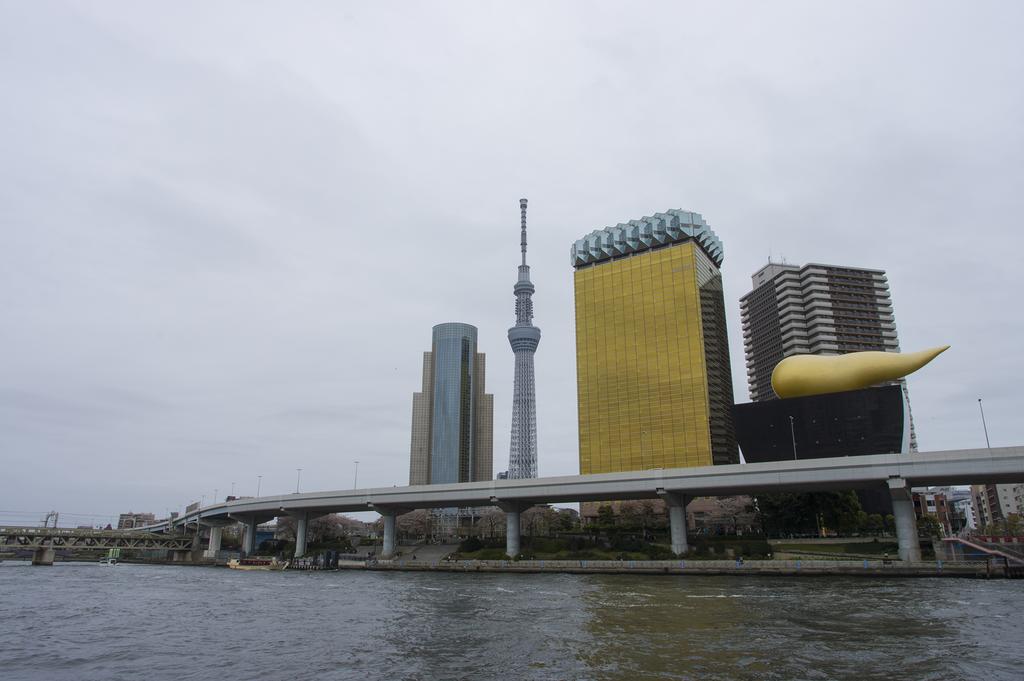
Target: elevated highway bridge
{"points": [[896, 473]]}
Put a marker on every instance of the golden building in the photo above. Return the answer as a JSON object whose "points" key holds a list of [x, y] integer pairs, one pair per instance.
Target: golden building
{"points": [[652, 354]]}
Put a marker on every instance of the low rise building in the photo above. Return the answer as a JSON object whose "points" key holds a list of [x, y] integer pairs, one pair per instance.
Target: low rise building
{"points": [[127, 521], [934, 504], [996, 503]]}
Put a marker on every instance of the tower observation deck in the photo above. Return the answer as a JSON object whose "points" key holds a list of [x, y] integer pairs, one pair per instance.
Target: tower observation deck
{"points": [[524, 338]]}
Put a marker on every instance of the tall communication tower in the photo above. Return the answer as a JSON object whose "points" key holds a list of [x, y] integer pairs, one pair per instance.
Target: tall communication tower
{"points": [[524, 338]]}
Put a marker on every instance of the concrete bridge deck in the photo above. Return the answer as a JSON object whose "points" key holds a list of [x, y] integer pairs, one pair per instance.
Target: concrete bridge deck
{"points": [[895, 472]]}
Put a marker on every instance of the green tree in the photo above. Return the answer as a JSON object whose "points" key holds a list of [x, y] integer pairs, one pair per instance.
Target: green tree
{"points": [[566, 520], [929, 526], [605, 517], [805, 513]]}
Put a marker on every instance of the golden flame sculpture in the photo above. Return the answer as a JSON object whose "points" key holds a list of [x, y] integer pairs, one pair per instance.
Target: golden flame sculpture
{"points": [[801, 375]]}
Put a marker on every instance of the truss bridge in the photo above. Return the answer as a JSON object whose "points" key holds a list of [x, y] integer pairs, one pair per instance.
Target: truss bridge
{"points": [[44, 541]]}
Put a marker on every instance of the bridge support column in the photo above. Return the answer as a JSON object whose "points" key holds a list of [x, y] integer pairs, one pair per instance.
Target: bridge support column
{"points": [[513, 511], [676, 504], [249, 544], [390, 515], [512, 548], [390, 518], [216, 534], [301, 527], [906, 520], [44, 555]]}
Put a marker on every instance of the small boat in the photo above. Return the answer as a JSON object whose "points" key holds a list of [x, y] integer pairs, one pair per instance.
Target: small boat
{"points": [[107, 560], [257, 563]]}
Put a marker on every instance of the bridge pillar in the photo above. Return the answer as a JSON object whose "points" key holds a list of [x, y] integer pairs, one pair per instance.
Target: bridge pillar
{"points": [[512, 537], [216, 534], [301, 527], [390, 518], [249, 545], [676, 504], [44, 555], [906, 520], [513, 511]]}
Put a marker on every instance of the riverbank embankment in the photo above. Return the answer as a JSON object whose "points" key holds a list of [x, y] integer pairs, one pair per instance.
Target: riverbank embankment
{"points": [[865, 568]]}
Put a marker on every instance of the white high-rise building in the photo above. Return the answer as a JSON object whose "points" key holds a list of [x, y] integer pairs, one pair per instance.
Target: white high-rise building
{"points": [[818, 310], [524, 338], [994, 503], [815, 309]]}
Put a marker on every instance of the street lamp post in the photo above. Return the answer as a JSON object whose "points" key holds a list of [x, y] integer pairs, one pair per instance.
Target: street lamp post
{"points": [[355, 478], [298, 476], [792, 435], [232, 489], [259, 482], [983, 425]]}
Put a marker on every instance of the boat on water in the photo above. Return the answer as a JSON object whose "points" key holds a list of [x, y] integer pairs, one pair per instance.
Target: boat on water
{"points": [[257, 563], [111, 557]]}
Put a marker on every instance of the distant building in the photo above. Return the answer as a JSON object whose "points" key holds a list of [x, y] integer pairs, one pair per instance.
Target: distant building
{"points": [[127, 521], [935, 504], [652, 354], [965, 509], [995, 503], [452, 418]]}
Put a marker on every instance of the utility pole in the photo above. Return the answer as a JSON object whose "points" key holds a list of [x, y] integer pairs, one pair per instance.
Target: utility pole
{"points": [[259, 482], [355, 478], [983, 425], [298, 476], [792, 435]]}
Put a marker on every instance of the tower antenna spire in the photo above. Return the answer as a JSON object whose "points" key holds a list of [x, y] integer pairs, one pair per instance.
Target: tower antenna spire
{"points": [[522, 240]]}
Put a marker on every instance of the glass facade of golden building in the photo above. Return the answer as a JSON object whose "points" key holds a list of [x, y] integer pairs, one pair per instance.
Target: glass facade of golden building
{"points": [[653, 375]]}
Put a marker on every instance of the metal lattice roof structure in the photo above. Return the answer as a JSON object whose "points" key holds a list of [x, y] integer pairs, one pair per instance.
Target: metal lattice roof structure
{"points": [[635, 236]]}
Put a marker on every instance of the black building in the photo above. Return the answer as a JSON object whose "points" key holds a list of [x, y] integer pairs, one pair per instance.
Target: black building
{"points": [[854, 423]]}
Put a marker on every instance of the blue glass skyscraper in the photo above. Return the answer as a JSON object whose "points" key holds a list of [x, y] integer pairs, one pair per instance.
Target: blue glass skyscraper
{"points": [[452, 421]]}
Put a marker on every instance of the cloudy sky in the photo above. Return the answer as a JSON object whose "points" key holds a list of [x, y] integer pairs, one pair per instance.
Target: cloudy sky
{"points": [[226, 229]]}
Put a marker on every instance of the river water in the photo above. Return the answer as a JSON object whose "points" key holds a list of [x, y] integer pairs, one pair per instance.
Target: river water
{"points": [[80, 621]]}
